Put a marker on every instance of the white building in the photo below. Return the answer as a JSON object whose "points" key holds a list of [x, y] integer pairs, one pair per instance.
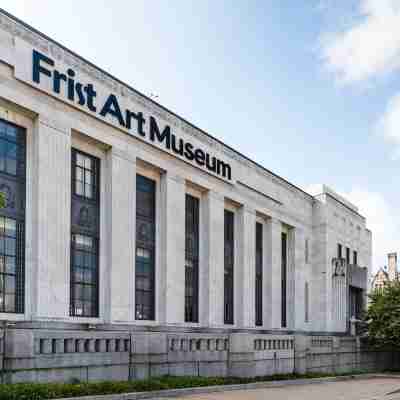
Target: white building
{"points": [[121, 213]]}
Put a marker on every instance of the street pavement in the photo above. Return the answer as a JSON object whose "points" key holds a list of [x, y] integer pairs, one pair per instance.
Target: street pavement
{"points": [[368, 389]]}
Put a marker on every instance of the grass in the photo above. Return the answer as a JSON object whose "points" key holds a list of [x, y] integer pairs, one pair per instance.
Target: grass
{"points": [[45, 391]]}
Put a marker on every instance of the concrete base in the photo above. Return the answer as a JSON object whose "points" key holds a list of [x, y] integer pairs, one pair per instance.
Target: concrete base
{"points": [[56, 352]]}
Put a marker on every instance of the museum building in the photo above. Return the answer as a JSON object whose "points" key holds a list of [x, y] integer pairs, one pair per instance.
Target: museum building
{"points": [[126, 226]]}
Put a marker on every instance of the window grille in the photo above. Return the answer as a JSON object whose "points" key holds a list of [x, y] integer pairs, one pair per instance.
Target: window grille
{"points": [[284, 280], [85, 232], [306, 302], [12, 217], [229, 251], [259, 274], [145, 248], [355, 258], [191, 259]]}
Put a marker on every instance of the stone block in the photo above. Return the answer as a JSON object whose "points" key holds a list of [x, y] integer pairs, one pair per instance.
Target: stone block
{"points": [[241, 343], [150, 343], [19, 343]]}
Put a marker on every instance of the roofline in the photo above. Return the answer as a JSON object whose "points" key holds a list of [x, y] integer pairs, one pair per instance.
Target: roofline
{"points": [[26, 25], [343, 204]]}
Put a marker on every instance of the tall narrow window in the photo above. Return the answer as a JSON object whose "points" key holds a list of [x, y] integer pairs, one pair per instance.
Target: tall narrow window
{"points": [[347, 255], [85, 234], [192, 259], [356, 302], [306, 251], [145, 248], [339, 250], [12, 218], [229, 251], [259, 274], [355, 260], [284, 280], [306, 302]]}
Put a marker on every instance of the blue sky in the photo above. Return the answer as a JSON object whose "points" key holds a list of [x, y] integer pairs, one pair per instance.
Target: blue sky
{"points": [[309, 89]]}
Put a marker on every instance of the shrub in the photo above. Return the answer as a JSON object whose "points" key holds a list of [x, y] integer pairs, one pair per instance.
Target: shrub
{"points": [[45, 391], [383, 316]]}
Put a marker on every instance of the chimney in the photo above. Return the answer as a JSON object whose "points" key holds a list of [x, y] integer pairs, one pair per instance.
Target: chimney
{"points": [[392, 266]]}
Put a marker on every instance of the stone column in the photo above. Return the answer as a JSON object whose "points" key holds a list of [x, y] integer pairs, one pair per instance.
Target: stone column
{"points": [[51, 220], [212, 270], [172, 211], [298, 276], [272, 273], [121, 220], [245, 268]]}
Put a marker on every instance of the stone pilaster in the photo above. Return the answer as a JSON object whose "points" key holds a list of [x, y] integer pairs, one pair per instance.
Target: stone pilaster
{"points": [[297, 279], [173, 248], [272, 273], [245, 268], [121, 223], [51, 220], [212, 270]]}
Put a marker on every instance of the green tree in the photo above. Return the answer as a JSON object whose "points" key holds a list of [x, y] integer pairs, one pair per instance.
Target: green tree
{"points": [[383, 316], [2, 200]]}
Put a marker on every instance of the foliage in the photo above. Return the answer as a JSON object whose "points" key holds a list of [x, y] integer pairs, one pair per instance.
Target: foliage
{"points": [[45, 391], [383, 316], [2, 200]]}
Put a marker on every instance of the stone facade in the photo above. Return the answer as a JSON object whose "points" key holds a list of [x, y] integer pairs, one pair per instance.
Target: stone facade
{"points": [[317, 280]]}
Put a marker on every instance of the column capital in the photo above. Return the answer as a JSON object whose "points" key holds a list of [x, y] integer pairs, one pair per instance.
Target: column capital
{"points": [[55, 125], [247, 209], [125, 155], [274, 221], [215, 195], [174, 177]]}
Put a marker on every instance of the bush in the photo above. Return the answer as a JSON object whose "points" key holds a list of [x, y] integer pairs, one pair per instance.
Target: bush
{"points": [[383, 316], [45, 391]]}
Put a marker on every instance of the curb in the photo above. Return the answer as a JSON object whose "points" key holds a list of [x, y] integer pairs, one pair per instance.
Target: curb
{"points": [[226, 388]]}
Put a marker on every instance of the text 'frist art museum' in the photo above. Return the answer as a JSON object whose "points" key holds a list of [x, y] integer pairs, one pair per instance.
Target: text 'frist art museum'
{"points": [[134, 244]]}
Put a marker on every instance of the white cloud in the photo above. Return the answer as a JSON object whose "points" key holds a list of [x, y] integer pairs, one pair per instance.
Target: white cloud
{"points": [[369, 47], [382, 219], [389, 125]]}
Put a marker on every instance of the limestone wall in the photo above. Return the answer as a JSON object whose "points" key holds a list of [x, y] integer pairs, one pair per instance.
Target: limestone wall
{"points": [[43, 355]]}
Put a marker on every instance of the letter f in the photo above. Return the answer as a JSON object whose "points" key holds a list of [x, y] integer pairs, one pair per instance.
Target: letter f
{"points": [[37, 68]]}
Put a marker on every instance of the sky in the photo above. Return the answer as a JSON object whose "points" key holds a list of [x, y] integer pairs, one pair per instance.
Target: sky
{"points": [[310, 89]]}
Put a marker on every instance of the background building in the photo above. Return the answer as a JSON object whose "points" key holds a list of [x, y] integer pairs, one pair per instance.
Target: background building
{"points": [[134, 243], [387, 274]]}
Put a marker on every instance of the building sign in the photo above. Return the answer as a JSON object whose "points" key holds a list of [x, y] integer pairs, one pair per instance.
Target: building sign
{"points": [[65, 82]]}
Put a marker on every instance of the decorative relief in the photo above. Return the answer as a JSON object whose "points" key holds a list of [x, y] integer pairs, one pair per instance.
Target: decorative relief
{"points": [[339, 267]]}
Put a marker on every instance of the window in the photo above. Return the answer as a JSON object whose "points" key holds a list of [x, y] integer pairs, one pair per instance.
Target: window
{"points": [[84, 278], [12, 218], [192, 259], [347, 256], [85, 176], [259, 274], [229, 252], [306, 251], [145, 248], [355, 258], [339, 250], [306, 302], [284, 278], [85, 232], [356, 302]]}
